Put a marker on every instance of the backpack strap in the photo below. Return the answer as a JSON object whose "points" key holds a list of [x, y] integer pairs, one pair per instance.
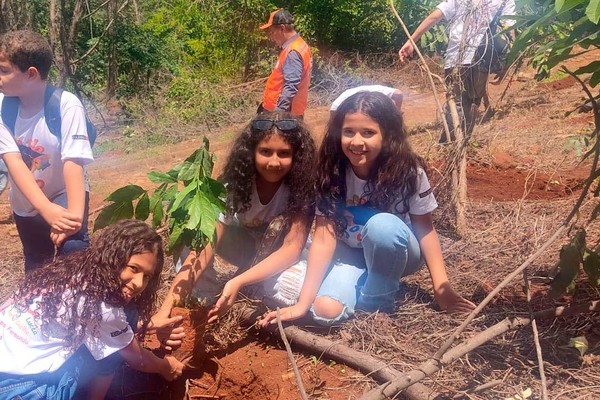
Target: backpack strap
{"points": [[10, 110], [52, 110]]}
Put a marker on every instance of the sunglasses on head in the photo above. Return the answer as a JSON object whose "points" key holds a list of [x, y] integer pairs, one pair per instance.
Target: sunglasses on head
{"points": [[281, 124]]}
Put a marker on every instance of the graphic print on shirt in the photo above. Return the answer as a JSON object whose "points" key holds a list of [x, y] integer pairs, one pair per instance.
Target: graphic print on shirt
{"points": [[34, 157]]}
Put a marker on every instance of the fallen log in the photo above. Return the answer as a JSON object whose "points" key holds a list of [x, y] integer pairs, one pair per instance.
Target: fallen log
{"points": [[429, 367], [372, 367]]}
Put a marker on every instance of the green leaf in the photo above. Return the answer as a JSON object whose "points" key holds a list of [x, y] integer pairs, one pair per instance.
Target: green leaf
{"points": [[568, 268], [126, 193], [181, 196], [159, 177], [586, 69], [595, 79], [566, 5], [113, 213], [209, 216], [174, 235], [195, 212], [580, 343], [188, 171], [157, 214], [142, 209], [591, 266], [593, 11]]}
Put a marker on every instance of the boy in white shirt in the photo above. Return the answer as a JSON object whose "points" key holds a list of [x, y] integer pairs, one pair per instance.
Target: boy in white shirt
{"points": [[49, 189]]}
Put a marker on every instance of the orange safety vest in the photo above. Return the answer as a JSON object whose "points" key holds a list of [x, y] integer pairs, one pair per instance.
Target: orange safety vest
{"points": [[276, 81]]}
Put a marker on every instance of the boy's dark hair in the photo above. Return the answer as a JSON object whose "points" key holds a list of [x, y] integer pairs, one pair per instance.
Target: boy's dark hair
{"points": [[240, 171], [27, 49], [394, 173], [94, 276]]}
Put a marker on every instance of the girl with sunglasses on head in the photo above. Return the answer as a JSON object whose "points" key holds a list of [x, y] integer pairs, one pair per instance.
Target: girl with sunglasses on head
{"points": [[373, 223], [70, 324], [269, 180]]}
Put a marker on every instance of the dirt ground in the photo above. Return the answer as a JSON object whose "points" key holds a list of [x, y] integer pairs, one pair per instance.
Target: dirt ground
{"points": [[523, 178]]}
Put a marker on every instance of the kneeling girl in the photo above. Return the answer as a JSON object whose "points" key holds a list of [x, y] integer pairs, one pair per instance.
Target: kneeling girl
{"points": [[373, 223]]}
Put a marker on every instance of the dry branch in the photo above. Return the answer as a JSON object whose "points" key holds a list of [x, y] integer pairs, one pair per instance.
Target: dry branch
{"points": [[291, 357], [390, 389], [559, 231], [376, 369]]}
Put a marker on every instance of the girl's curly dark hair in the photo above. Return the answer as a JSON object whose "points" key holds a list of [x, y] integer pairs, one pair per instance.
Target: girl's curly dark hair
{"points": [[394, 173], [92, 276], [240, 171]]}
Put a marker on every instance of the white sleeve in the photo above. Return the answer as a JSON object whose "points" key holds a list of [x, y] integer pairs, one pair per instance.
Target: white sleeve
{"points": [[74, 137], [7, 141], [509, 9], [422, 202], [448, 8], [110, 335]]}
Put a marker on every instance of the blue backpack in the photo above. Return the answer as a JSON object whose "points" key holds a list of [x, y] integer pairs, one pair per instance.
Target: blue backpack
{"points": [[10, 110]]}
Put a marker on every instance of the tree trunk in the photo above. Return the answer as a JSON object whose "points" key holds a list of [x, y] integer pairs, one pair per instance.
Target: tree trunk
{"points": [[55, 42], [111, 78]]}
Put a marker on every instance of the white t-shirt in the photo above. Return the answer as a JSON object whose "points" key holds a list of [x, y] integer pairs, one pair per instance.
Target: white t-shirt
{"points": [[480, 13], [25, 349], [43, 154], [420, 203], [388, 91], [260, 214]]}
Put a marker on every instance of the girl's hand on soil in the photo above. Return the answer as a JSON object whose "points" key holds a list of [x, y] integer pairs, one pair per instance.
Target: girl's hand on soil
{"points": [[225, 302], [453, 303], [285, 314], [173, 369]]}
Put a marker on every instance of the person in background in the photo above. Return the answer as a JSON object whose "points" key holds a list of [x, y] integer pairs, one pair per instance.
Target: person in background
{"points": [[466, 76], [49, 186], [287, 86]]}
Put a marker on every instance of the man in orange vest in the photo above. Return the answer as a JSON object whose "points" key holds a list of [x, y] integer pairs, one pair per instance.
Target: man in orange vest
{"points": [[287, 86]]}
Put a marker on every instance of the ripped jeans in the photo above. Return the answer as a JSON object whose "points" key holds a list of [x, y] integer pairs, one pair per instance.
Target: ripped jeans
{"points": [[366, 278]]}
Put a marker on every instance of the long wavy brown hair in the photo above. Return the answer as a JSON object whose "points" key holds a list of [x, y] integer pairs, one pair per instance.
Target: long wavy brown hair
{"points": [[81, 281], [394, 173], [240, 171]]}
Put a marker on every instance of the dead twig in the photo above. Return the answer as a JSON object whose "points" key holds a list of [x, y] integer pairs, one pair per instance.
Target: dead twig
{"points": [[390, 389], [536, 338], [291, 356]]}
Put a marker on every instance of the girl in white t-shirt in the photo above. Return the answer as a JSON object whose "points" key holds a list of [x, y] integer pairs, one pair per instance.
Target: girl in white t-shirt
{"points": [[373, 223], [269, 178], [64, 332]]}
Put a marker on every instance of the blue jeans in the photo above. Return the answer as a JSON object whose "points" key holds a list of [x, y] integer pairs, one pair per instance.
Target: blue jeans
{"points": [[58, 385], [34, 233], [369, 278]]}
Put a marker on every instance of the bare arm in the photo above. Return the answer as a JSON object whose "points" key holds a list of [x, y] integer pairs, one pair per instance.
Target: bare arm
{"points": [[287, 255], [319, 258], [57, 217], [429, 241], [406, 52], [192, 269], [75, 185], [144, 360]]}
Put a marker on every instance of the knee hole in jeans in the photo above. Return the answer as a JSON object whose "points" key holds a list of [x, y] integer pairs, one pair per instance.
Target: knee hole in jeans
{"points": [[327, 308]]}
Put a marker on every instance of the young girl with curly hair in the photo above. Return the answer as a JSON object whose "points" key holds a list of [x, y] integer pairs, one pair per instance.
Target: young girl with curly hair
{"points": [[269, 180], [64, 331], [373, 223]]}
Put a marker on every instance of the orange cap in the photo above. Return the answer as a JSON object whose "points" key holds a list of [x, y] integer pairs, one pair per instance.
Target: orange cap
{"points": [[278, 17]]}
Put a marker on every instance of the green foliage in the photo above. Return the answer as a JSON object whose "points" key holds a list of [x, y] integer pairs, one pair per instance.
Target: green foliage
{"points": [[554, 32], [572, 257], [551, 33], [191, 212]]}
